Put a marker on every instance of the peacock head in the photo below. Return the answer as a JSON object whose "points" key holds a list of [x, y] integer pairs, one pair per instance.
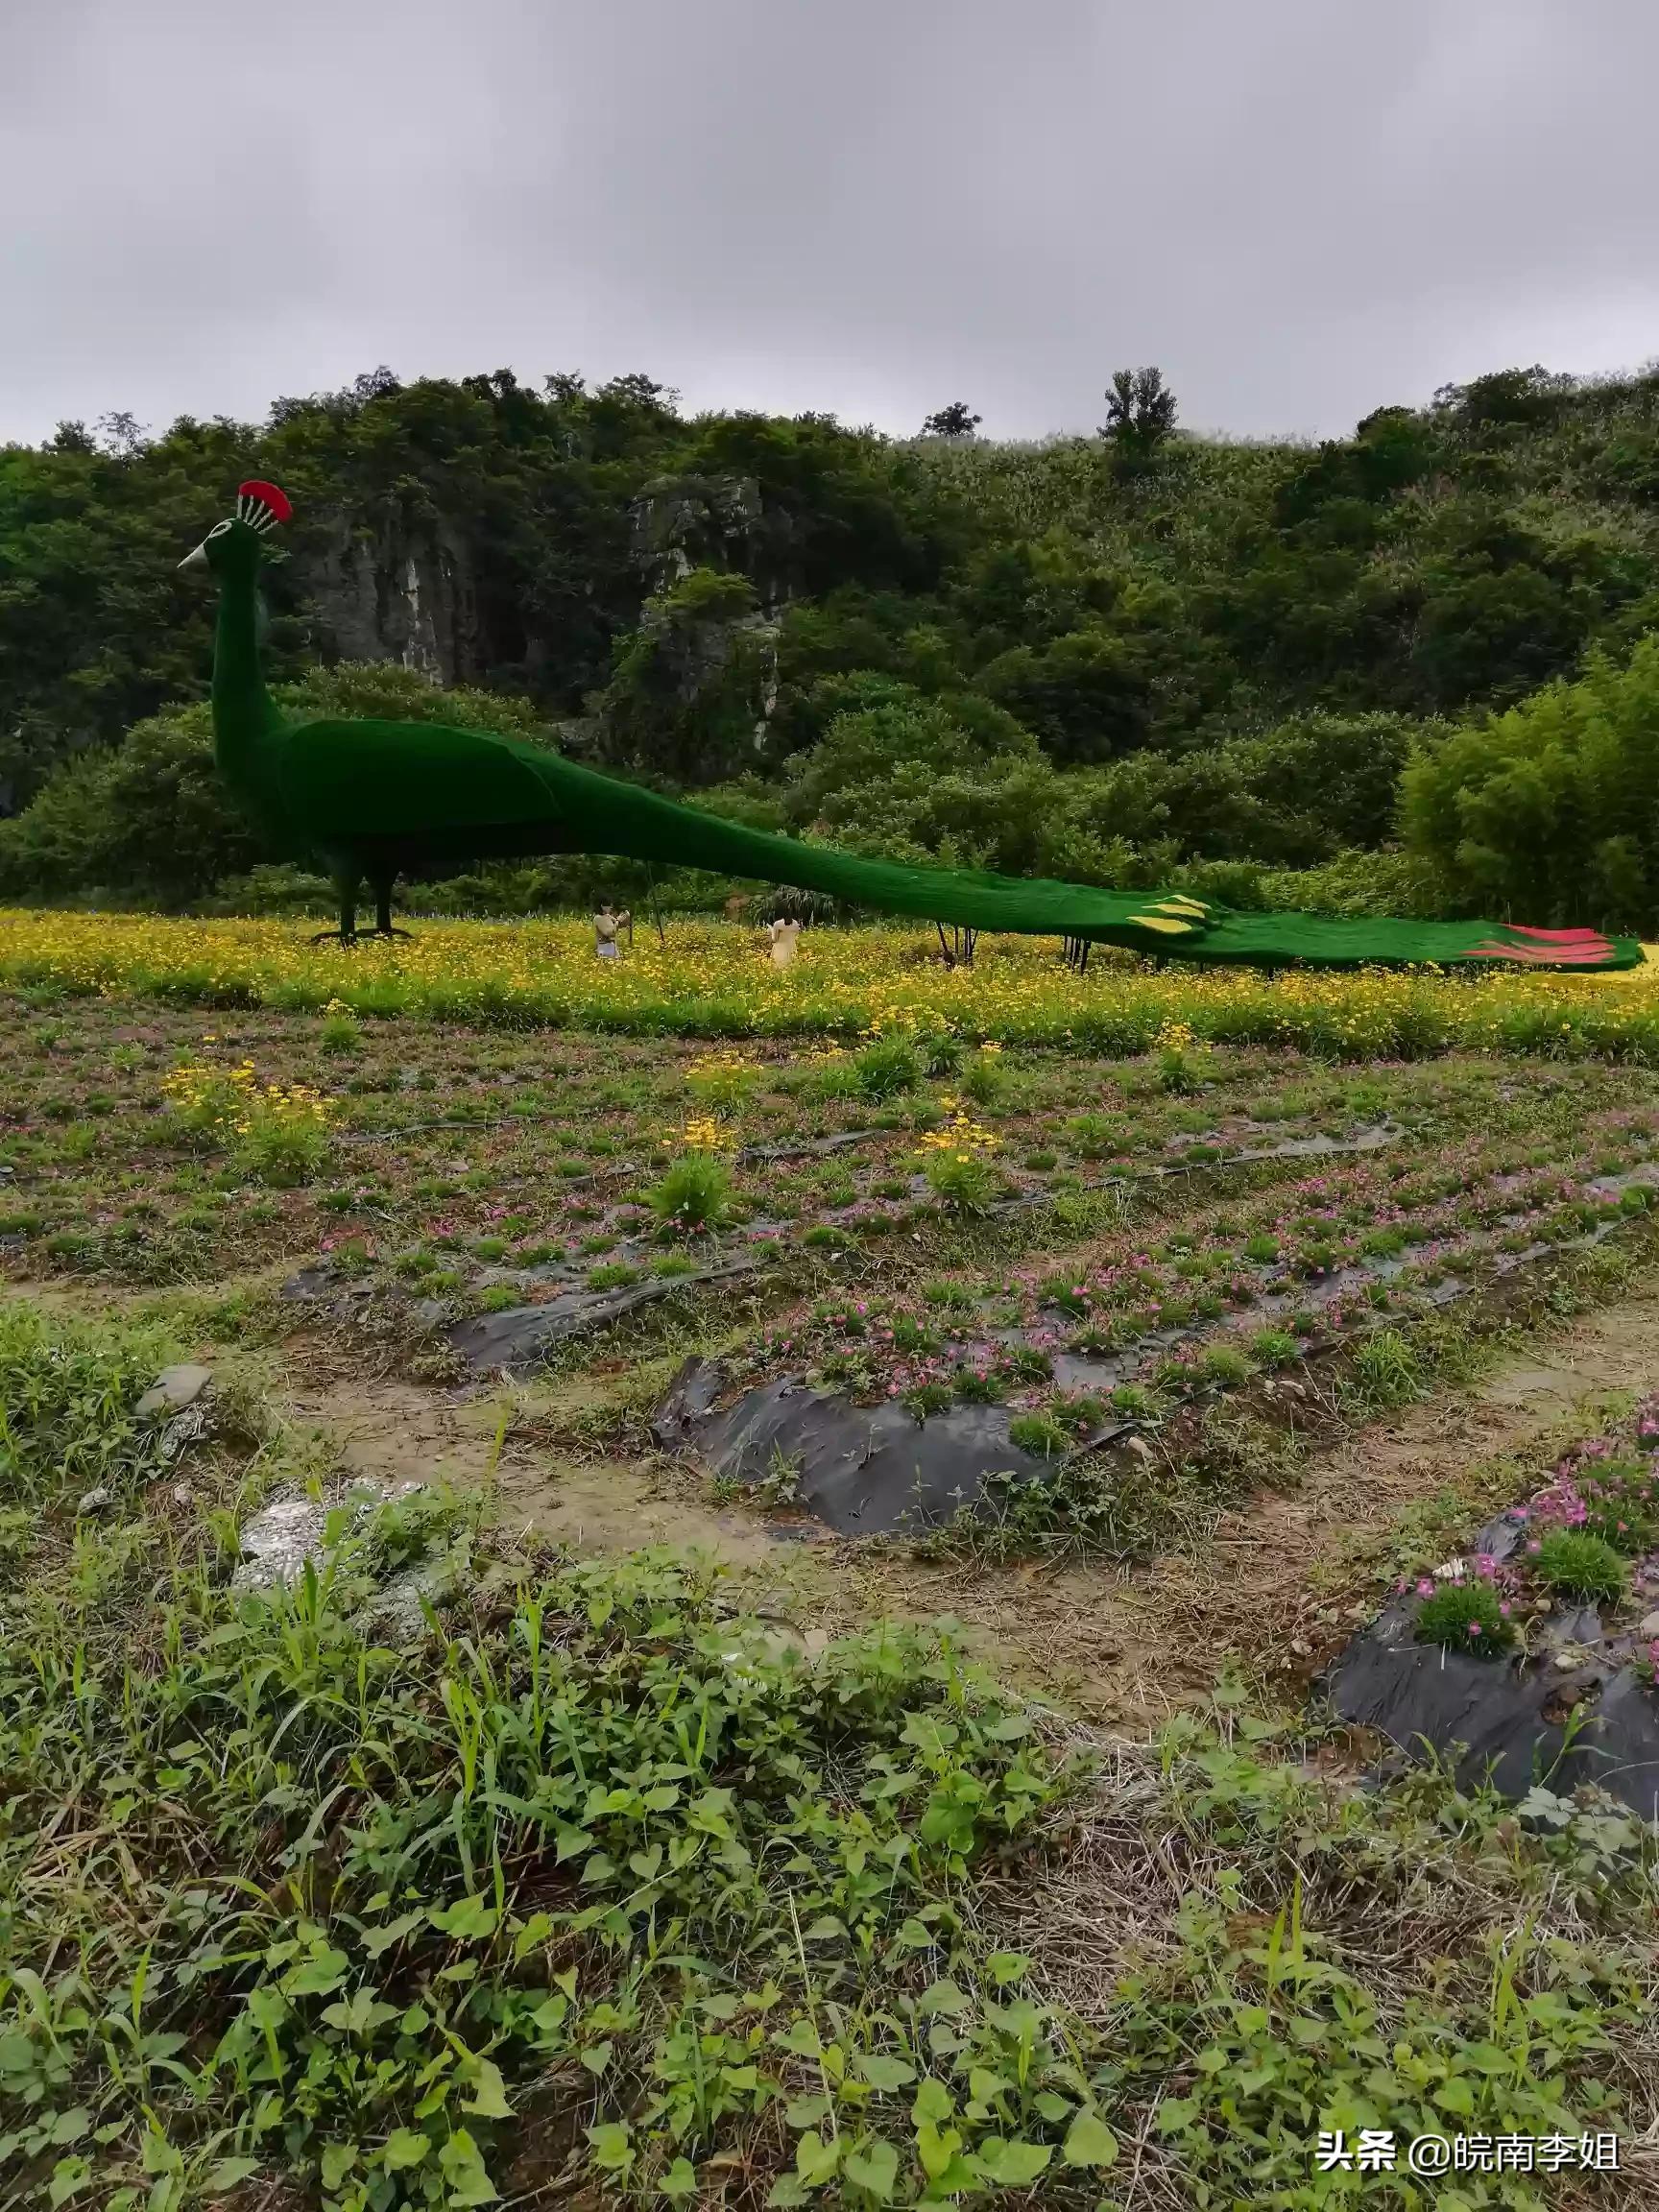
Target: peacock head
{"points": [[231, 547]]}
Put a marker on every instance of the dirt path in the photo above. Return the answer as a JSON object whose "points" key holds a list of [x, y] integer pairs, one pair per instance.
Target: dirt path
{"points": [[391, 1431], [1126, 1649]]}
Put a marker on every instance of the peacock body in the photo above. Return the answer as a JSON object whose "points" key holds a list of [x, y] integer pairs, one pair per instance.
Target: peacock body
{"points": [[369, 799]]}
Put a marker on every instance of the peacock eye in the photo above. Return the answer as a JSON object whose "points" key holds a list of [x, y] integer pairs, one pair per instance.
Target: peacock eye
{"points": [[219, 529]]}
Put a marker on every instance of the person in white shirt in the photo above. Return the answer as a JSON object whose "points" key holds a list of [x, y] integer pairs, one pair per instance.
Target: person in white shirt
{"points": [[606, 925]]}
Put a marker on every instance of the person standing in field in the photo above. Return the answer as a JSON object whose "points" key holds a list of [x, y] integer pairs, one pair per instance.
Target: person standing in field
{"points": [[786, 939], [607, 926]]}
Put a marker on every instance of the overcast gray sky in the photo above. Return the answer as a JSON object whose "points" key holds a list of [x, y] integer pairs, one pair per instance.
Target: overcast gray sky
{"points": [[1302, 209]]}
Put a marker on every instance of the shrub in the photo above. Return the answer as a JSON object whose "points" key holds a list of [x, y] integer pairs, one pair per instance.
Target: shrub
{"points": [[341, 1031], [956, 1161], [886, 1066], [1571, 1564], [282, 1137], [694, 1196], [1465, 1617], [1530, 813]]}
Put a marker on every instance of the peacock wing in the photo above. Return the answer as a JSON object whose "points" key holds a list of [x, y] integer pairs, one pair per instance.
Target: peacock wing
{"points": [[351, 781]]}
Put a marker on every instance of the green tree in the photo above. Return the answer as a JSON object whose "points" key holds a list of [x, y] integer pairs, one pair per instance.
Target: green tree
{"points": [[1550, 812], [958, 421], [1140, 415]]}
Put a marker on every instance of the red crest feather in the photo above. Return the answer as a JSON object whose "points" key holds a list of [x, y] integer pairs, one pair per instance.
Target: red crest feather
{"points": [[263, 504]]}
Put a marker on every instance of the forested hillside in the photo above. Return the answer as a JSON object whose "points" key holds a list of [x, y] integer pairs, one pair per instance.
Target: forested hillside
{"points": [[1105, 657]]}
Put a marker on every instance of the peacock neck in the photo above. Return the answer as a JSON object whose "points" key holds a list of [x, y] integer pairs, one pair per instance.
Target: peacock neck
{"points": [[243, 715]]}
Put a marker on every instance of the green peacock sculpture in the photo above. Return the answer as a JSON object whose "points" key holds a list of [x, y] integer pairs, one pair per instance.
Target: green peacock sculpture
{"points": [[369, 799]]}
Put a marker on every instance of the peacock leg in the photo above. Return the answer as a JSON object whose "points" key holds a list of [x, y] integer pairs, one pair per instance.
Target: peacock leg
{"points": [[383, 910], [346, 885]]}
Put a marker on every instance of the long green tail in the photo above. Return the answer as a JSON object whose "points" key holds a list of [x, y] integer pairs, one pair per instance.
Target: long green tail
{"points": [[611, 816]]}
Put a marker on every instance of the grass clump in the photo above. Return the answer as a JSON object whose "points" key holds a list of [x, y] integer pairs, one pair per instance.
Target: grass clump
{"points": [[340, 1031], [723, 1082], [695, 1195], [956, 1160], [1040, 1433], [399, 1918], [1225, 1364], [886, 1066], [1465, 1617], [1572, 1564]]}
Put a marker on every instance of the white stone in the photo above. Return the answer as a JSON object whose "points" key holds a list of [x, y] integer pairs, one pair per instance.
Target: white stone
{"points": [[94, 1501], [173, 1390]]}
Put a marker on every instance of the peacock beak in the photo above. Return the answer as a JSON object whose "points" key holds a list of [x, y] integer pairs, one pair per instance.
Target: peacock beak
{"points": [[196, 560]]}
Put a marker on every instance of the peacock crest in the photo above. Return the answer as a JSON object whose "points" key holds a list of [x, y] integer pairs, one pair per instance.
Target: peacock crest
{"points": [[262, 506]]}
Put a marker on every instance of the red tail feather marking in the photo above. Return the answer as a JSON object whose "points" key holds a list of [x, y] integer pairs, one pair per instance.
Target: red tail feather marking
{"points": [[1558, 937], [1542, 955]]}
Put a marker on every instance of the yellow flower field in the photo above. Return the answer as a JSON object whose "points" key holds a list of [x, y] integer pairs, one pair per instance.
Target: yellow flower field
{"points": [[712, 978]]}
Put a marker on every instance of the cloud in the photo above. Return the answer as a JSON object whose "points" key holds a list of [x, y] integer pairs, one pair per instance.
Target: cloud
{"points": [[1301, 209]]}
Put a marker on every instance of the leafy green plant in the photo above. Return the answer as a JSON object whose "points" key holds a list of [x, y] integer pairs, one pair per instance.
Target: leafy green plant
{"points": [[962, 1182], [1093, 1136], [940, 1052], [1272, 1347]]}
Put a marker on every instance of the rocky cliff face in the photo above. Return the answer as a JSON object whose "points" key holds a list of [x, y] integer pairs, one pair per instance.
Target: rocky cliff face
{"points": [[388, 595], [685, 522], [411, 594]]}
